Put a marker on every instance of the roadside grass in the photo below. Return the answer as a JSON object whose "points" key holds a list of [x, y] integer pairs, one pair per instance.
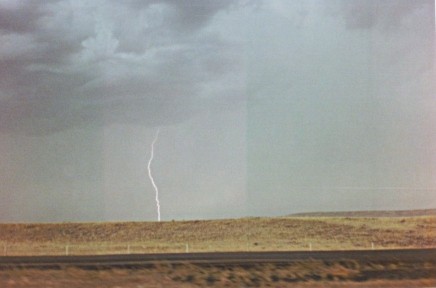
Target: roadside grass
{"points": [[245, 234]]}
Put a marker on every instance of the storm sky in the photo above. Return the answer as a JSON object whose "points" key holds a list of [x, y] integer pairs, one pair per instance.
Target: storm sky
{"points": [[264, 108]]}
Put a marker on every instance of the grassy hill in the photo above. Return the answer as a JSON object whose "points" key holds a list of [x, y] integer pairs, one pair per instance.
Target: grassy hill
{"points": [[246, 234], [373, 213]]}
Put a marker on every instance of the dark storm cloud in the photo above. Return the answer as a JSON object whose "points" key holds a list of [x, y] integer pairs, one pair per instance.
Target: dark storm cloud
{"points": [[69, 64], [388, 14], [18, 17]]}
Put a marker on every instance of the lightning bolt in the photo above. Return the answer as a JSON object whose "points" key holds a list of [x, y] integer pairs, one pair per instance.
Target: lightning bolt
{"points": [[151, 177]]}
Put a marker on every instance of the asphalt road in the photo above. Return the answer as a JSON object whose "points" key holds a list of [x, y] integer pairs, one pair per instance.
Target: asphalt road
{"points": [[143, 260]]}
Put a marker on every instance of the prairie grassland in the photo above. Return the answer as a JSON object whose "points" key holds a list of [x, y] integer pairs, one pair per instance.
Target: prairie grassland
{"points": [[246, 234]]}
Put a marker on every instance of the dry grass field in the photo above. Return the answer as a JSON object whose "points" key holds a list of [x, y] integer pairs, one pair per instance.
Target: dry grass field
{"points": [[297, 232], [246, 234]]}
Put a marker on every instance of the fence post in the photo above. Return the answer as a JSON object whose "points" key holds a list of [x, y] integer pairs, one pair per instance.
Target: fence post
{"points": [[372, 245], [5, 250], [187, 247], [310, 246], [66, 250], [128, 248]]}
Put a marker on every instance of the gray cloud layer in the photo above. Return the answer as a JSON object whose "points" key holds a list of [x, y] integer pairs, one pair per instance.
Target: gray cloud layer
{"points": [[322, 105], [65, 64], [341, 105]]}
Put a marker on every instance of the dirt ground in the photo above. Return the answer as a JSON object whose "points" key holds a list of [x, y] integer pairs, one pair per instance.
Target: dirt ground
{"points": [[300, 274], [147, 279]]}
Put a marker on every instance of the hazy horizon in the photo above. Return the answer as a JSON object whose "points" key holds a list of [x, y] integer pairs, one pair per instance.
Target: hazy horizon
{"points": [[265, 108]]}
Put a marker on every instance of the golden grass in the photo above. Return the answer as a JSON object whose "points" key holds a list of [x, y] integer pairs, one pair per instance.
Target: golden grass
{"points": [[246, 234]]}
